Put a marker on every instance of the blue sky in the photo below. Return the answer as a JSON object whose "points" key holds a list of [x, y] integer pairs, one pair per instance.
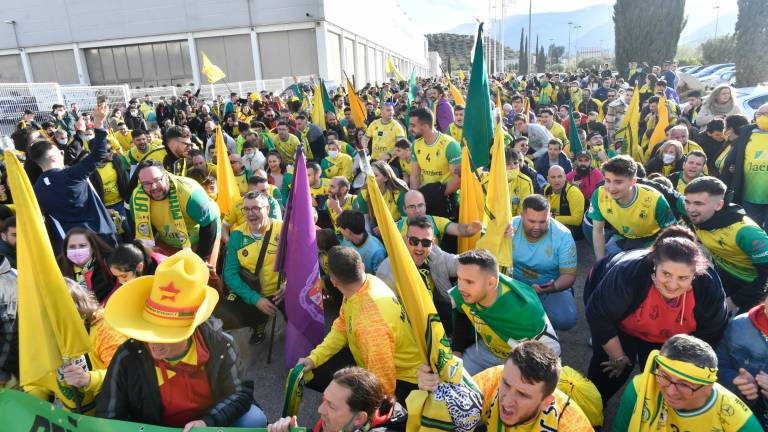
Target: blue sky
{"points": [[434, 16]]}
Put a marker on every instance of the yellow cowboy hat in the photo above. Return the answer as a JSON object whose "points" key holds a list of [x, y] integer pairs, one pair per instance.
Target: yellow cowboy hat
{"points": [[166, 307]]}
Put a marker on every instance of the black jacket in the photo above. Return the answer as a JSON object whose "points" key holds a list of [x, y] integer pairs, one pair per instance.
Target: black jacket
{"points": [[618, 285], [131, 393], [735, 179], [68, 200]]}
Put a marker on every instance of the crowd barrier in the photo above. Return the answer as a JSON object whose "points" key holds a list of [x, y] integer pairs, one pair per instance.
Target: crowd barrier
{"points": [[40, 97]]}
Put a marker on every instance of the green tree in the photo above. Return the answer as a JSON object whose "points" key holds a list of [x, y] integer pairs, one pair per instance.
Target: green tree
{"points": [[751, 43], [541, 61], [720, 50], [555, 53], [647, 31]]}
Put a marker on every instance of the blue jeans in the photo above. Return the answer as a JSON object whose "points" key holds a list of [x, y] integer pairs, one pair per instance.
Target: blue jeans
{"points": [[254, 418], [612, 239], [560, 308], [757, 212], [478, 358]]}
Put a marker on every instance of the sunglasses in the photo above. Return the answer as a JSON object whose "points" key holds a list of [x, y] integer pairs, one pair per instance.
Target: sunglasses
{"points": [[414, 241]]}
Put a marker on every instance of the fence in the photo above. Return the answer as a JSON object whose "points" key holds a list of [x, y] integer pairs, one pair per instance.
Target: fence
{"points": [[40, 97]]}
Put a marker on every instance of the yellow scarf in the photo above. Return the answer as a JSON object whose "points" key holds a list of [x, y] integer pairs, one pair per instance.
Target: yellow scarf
{"points": [[140, 203], [650, 410]]}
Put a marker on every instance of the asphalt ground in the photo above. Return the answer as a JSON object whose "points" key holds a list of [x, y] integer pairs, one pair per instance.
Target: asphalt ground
{"points": [[269, 378]]}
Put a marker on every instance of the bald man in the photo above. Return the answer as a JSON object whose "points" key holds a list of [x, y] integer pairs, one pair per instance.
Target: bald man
{"points": [[566, 201], [415, 205]]}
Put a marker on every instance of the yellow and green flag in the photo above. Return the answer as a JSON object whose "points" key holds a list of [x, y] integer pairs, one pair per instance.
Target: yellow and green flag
{"points": [[229, 193], [211, 71], [471, 200], [498, 210], [50, 328]]}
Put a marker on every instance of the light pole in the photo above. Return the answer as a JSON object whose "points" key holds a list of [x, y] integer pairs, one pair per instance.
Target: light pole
{"points": [[528, 48], [717, 18], [570, 23], [576, 39], [503, 42]]}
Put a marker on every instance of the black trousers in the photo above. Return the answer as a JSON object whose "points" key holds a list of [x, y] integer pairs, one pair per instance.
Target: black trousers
{"points": [[235, 313], [636, 349]]}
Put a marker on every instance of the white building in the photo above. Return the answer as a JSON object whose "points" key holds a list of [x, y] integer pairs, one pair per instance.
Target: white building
{"points": [[435, 63], [146, 43]]}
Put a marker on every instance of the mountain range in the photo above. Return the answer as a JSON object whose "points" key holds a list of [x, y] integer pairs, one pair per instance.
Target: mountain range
{"points": [[596, 30]]}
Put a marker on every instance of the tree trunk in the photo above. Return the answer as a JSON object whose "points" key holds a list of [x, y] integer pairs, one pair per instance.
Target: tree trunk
{"points": [[752, 43], [648, 31]]}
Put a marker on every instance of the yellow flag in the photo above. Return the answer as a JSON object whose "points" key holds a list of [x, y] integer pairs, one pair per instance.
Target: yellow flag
{"points": [[424, 410], [229, 193], [358, 109], [628, 129], [50, 328], [497, 205], [392, 70], [318, 112], [659, 133], [472, 200], [457, 97], [461, 75], [211, 71]]}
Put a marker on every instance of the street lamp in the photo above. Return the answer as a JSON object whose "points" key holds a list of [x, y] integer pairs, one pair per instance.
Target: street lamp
{"points": [[570, 23], [576, 41], [717, 18]]}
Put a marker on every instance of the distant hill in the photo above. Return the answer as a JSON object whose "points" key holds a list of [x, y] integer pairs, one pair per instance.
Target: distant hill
{"points": [[596, 28], [456, 48]]}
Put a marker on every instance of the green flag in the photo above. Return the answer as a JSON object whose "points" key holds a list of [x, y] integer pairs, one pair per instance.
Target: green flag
{"points": [[478, 121], [327, 103], [573, 133], [411, 96], [298, 93]]}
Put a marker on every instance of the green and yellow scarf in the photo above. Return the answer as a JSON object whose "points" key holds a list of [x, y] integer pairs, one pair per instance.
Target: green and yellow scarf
{"points": [[140, 203], [650, 410]]}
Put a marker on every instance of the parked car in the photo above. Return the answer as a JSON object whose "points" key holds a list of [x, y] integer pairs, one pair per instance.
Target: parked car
{"points": [[711, 69], [751, 98]]}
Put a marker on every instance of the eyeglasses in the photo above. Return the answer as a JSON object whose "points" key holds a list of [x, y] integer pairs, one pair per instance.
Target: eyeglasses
{"points": [[253, 209], [150, 184], [682, 387], [415, 241]]}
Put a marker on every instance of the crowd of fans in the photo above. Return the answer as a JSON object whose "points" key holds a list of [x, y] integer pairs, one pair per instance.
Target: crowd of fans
{"points": [[677, 290]]}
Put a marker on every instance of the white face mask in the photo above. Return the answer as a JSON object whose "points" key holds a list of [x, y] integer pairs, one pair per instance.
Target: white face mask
{"points": [[333, 154], [668, 158]]}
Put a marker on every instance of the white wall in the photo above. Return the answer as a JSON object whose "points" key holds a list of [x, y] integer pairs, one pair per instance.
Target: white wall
{"points": [[50, 22]]}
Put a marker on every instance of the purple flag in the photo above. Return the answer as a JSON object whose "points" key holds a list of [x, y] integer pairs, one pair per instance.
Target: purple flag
{"points": [[297, 261]]}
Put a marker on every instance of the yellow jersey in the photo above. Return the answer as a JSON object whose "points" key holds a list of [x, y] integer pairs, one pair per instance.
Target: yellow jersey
{"points": [[520, 186], [435, 159], [287, 148], [646, 214], [109, 184], [383, 137], [372, 322]]}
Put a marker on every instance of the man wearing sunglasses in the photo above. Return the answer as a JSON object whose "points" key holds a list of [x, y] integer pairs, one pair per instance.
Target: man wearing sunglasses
{"points": [[436, 267], [678, 391]]}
